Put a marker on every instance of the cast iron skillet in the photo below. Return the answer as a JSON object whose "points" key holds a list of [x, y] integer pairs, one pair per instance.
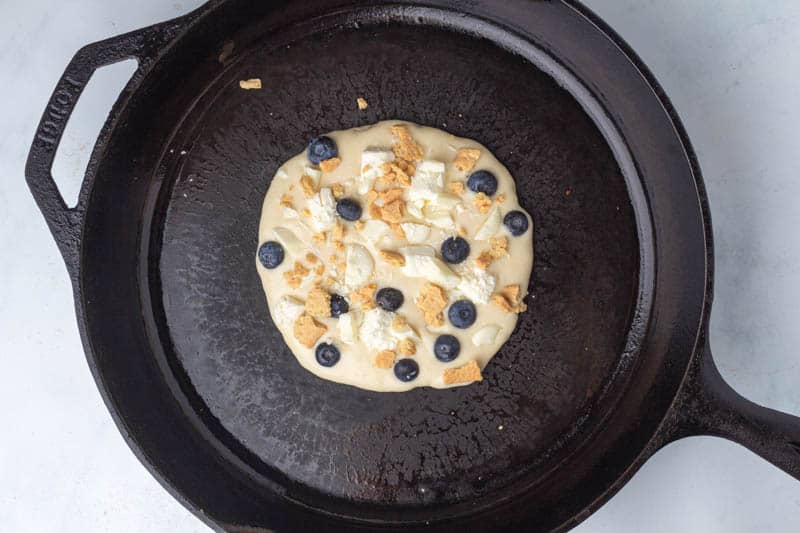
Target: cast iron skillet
{"points": [[609, 364]]}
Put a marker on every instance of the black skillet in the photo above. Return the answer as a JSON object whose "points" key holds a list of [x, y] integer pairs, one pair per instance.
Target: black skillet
{"points": [[609, 364]]}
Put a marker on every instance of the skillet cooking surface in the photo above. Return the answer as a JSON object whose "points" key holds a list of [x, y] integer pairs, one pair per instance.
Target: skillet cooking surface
{"points": [[548, 386]]}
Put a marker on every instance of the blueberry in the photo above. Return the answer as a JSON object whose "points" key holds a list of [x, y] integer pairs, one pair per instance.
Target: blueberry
{"points": [[389, 299], [462, 314], [406, 369], [516, 222], [455, 249], [320, 149], [339, 305], [482, 181], [271, 254], [446, 348], [327, 354], [348, 209]]}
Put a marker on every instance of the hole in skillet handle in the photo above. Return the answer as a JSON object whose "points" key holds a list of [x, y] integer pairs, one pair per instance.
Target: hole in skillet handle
{"points": [[84, 125]]}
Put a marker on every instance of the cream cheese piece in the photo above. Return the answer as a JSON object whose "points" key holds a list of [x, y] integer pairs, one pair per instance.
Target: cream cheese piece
{"points": [[477, 285], [376, 330], [288, 310]]}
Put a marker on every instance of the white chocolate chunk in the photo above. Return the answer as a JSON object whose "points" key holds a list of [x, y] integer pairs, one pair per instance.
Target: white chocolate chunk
{"points": [[490, 226], [445, 201], [323, 209], [359, 266], [441, 218], [428, 181], [289, 240], [486, 335], [348, 327], [415, 233], [421, 262], [415, 208], [372, 159]]}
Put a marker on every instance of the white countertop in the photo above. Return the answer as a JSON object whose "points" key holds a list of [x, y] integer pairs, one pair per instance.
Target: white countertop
{"points": [[732, 69]]}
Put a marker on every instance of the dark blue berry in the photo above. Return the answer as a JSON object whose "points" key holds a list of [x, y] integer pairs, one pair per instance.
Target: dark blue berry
{"points": [[327, 354], [389, 299], [516, 222], [446, 348], [482, 181], [320, 149], [271, 254], [455, 249], [462, 314], [406, 369], [348, 209], [339, 305]]}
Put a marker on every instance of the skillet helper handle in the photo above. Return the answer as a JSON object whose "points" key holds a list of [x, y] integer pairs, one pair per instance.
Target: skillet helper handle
{"points": [[707, 405], [65, 223]]}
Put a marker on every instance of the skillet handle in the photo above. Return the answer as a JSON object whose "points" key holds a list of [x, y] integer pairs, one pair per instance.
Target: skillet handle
{"points": [[65, 223], [707, 405]]}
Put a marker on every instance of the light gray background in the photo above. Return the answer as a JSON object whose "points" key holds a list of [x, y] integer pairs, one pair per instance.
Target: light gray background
{"points": [[732, 69]]}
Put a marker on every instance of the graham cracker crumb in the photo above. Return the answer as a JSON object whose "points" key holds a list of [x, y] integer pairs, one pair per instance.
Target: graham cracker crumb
{"points": [[333, 258], [511, 293], [393, 211], [405, 147], [500, 198], [329, 165], [318, 303], [307, 330], [398, 171], [398, 230], [393, 258], [338, 246], [317, 282], [484, 260], [311, 258], [482, 202], [372, 195], [338, 190], [286, 201], [500, 301], [463, 374], [294, 277], [385, 359], [359, 225], [364, 294], [390, 195], [368, 305], [330, 280], [431, 301], [320, 237], [407, 347], [399, 323], [375, 211], [462, 231], [320, 269], [305, 212], [456, 187], [498, 247], [362, 104], [307, 185], [338, 232], [252, 83], [466, 158]]}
